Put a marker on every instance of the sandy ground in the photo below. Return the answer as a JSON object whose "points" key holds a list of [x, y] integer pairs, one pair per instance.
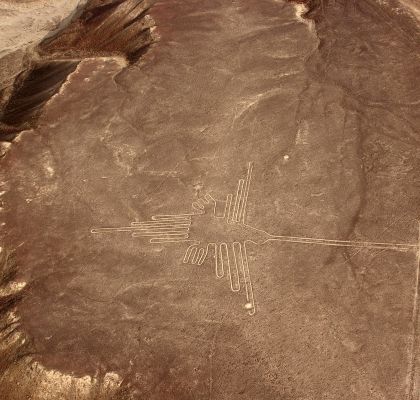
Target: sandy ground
{"points": [[413, 6], [24, 24], [330, 131]]}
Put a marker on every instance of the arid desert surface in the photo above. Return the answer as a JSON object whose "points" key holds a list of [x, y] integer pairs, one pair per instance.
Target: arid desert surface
{"points": [[209, 199]]}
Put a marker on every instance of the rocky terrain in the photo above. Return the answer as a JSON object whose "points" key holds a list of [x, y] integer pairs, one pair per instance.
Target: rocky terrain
{"points": [[289, 128]]}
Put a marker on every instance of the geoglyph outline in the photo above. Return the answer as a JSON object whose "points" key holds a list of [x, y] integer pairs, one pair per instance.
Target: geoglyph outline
{"points": [[230, 258]]}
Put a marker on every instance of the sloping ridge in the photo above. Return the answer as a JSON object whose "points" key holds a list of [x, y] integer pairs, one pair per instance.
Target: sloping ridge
{"points": [[104, 28]]}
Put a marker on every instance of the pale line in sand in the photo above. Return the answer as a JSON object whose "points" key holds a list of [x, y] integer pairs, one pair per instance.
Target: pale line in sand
{"points": [[175, 228], [248, 184], [234, 283], [248, 283], [344, 243], [235, 258], [228, 203], [238, 200], [188, 254]]}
